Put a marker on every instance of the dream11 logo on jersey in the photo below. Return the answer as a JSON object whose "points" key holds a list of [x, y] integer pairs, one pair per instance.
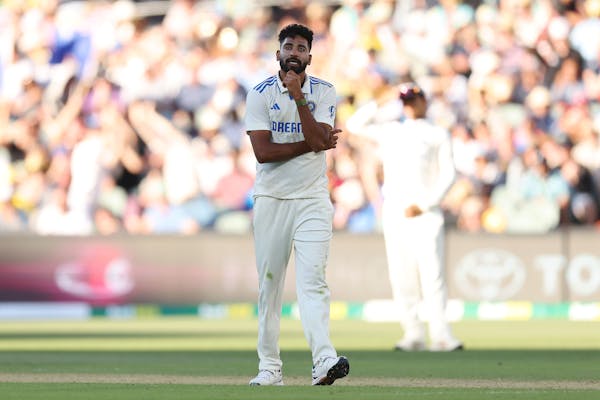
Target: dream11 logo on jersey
{"points": [[100, 275]]}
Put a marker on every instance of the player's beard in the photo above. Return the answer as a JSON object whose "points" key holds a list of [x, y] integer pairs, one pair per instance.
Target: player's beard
{"points": [[297, 69]]}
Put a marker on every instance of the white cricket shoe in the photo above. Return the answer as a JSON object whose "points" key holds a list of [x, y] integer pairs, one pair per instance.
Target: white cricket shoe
{"points": [[450, 344], [410, 344], [328, 369], [268, 377]]}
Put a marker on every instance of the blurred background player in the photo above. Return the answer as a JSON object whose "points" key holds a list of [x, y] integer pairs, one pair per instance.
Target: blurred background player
{"points": [[418, 171], [290, 119]]}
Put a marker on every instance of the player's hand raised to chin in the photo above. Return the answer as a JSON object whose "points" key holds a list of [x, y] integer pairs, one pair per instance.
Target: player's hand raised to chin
{"points": [[293, 83]]}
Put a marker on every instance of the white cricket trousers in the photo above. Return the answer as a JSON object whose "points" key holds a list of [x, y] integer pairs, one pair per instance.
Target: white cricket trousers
{"points": [[305, 224], [415, 251]]}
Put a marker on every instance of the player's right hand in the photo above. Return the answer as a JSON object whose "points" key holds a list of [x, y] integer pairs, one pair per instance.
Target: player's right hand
{"points": [[412, 211], [293, 83]]}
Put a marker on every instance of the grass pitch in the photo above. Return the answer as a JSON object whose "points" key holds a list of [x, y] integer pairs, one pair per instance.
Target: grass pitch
{"points": [[189, 358]]}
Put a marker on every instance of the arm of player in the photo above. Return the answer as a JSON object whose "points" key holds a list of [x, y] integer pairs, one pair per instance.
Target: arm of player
{"points": [[316, 134], [363, 124], [361, 119], [267, 151]]}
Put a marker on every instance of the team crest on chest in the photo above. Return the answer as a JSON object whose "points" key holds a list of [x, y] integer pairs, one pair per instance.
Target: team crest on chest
{"points": [[311, 106]]}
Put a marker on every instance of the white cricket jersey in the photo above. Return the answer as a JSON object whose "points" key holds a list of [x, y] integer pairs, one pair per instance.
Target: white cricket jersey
{"points": [[417, 159], [270, 107]]}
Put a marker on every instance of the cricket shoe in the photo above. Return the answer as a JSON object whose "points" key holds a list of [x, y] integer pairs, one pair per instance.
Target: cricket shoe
{"points": [[268, 377], [446, 345], [328, 369], [410, 344]]}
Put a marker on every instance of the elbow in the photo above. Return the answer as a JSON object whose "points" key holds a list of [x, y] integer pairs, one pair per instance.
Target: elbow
{"points": [[260, 156], [261, 159]]}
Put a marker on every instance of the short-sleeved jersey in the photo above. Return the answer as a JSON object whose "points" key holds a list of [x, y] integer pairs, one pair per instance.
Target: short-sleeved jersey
{"points": [[270, 107], [418, 167]]}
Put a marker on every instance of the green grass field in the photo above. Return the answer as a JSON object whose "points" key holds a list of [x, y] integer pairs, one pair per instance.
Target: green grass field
{"points": [[190, 358]]}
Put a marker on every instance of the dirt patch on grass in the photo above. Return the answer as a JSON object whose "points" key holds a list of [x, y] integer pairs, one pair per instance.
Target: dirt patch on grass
{"points": [[300, 381]]}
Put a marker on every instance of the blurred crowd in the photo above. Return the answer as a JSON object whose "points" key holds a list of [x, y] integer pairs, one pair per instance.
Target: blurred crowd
{"points": [[121, 116]]}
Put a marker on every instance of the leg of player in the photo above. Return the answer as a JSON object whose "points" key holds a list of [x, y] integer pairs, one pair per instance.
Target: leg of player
{"points": [[430, 260], [273, 248], [404, 278], [312, 250]]}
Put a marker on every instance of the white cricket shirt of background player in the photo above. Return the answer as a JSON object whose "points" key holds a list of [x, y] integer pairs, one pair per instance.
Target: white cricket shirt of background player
{"points": [[417, 159], [269, 105]]}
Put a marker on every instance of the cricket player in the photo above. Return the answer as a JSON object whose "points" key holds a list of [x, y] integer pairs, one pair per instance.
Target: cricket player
{"points": [[290, 118], [418, 171]]}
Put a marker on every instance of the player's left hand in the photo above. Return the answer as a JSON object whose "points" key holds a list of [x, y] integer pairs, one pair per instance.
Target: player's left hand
{"points": [[333, 138]]}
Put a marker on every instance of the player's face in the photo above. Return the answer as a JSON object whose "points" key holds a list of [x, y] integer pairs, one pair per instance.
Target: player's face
{"points": [[294, 54]]}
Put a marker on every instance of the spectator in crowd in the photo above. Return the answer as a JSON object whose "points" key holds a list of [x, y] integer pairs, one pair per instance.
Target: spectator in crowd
{"points": [[504, 77]]}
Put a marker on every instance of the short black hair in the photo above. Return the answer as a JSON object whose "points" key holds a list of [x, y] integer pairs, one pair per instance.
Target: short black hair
{"points": [[294, 30], [410, 91]]}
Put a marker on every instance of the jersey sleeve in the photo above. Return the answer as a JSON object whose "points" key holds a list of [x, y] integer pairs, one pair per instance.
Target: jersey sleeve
{"points": [[364, 123], [257, 113], [361, 122], [325, 110]]}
